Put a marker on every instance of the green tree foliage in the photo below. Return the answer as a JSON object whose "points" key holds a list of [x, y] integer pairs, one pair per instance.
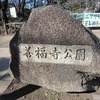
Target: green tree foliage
{"points": [[91, 4]]}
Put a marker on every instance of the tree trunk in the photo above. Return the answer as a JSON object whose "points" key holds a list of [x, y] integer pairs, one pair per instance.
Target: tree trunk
{"points": [[59, 2], [19, 5], [34, 3], [49, 2], [4, 9], [22, 7]]}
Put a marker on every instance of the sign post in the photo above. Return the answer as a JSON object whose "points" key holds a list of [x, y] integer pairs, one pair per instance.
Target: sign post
{"points": [[91, 20], [13, 12]]}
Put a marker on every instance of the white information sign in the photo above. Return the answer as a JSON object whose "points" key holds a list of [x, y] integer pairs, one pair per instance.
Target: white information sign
{"points": [[58, 54], [13, 12], [91, 20]]}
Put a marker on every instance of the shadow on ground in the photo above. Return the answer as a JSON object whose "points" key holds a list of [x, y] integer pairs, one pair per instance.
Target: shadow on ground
{"points": [[20, 91], [15, 95], [4, 64]]}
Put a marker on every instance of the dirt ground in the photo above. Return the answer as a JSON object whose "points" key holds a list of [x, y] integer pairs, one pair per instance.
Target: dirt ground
{"points": [[96, 32], [4, 40], [21, 91]]}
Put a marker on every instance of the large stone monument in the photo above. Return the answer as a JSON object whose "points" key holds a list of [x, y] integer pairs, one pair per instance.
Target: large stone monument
{"points": [[56, 51]]}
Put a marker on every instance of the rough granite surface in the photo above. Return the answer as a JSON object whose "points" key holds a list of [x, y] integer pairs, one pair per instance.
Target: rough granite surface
{"points": [[52, 25]]}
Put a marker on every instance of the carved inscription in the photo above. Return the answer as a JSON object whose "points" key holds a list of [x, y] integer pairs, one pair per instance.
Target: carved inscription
{"points": [[46, 53]]}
